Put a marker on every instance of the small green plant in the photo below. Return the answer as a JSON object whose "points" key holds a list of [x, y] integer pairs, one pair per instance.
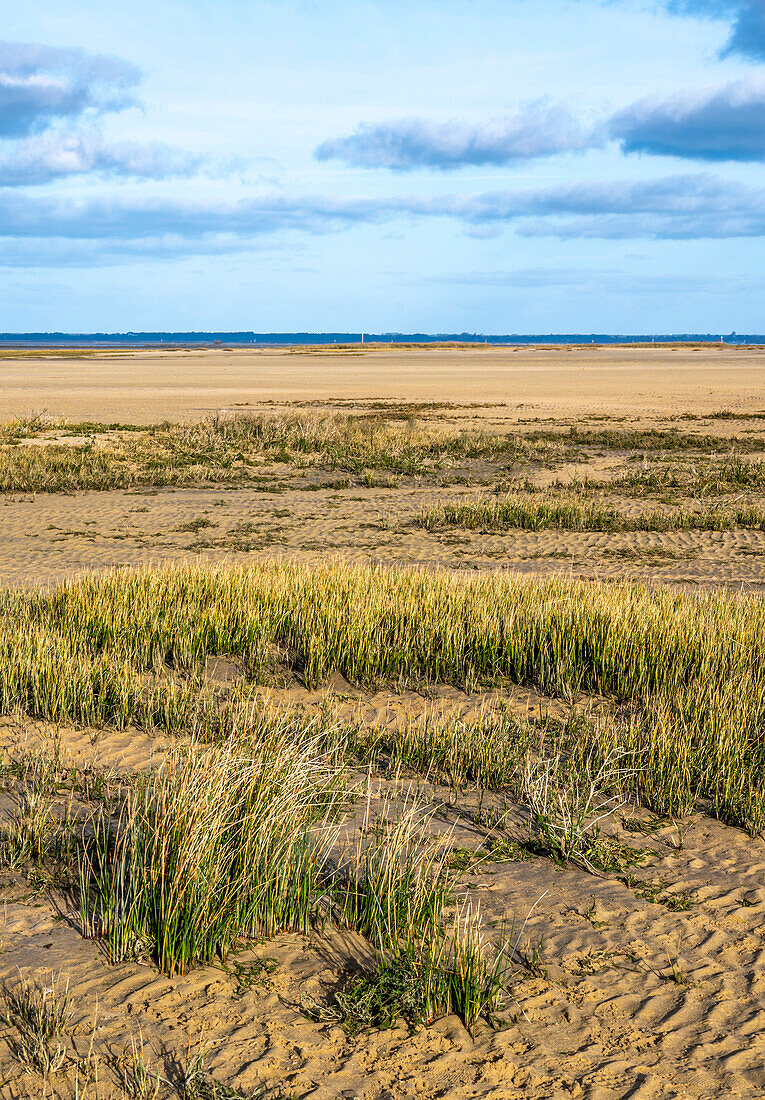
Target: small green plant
{"points": [[674, 972], [592, 962], [252, 975], [590, 914], [506, 849], [612, 855], [457, 972], [529, 956], [679, 902], [396, 990], [460, 859], [198, 524]]}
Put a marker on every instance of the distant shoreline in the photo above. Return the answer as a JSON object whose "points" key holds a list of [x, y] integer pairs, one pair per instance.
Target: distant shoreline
{"points": [[300, 339]]}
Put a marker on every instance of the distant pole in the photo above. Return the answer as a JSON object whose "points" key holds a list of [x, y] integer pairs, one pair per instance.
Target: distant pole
{"points": [[362, 337]]}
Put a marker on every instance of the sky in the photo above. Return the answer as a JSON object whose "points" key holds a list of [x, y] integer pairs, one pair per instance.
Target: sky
{"points": [[497, 166]]}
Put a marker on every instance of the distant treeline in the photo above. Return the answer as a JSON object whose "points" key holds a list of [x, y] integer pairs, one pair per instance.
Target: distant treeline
{"points": [[138, 339]]}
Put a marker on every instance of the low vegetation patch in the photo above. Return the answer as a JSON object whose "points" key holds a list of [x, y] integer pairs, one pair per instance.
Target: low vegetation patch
{"points": [[531, 513], [647, 439], [231, 449], [700, 478], [456, 972], [37, 1014]]}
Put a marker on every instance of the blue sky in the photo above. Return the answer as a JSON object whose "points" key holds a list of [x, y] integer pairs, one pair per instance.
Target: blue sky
{"points": [[407, 165]]}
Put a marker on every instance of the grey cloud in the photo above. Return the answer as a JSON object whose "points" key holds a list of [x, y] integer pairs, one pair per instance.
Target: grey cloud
{"points": [[726, 123], [44, 252], [539, 130], [709, 124], [42, 84], [670, 196], [21, 216], [584, 280], [674, 208]]}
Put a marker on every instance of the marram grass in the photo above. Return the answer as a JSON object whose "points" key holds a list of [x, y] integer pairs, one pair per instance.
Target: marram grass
{"points": [[216, 846], [689, 669]]}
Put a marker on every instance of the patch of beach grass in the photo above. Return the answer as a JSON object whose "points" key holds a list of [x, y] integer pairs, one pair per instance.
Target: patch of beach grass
{"points": [[128, 647], [569, 513], [229, 449]]}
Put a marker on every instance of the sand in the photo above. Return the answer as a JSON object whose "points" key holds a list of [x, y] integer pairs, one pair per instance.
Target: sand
{"points": [[633, 999], [636, 997], [47, 538], [144, 387]]}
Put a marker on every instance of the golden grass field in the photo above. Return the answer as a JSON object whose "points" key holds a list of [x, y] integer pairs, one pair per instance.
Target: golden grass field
{"points": [[382, 724]]}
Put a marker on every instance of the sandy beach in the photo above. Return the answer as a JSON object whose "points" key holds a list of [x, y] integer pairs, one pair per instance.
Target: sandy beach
{"points": [[639, 974]]}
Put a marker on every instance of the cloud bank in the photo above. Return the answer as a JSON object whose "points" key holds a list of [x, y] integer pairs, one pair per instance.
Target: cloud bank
{"points": [[727, 123], [51, 103], [673, 208], [712, 124], [50, 156], [709, 124]]}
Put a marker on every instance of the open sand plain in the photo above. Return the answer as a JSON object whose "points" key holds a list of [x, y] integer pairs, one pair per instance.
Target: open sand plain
{"points": [[145, 386], [648, 985]]}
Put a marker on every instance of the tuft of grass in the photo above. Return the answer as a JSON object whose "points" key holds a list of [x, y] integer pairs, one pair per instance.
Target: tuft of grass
{"points": [[485, 751], [136, 1078], [394, 886], [567, 806], [458, 973], [215, 847], [38, 1014], [196, 1083]]}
